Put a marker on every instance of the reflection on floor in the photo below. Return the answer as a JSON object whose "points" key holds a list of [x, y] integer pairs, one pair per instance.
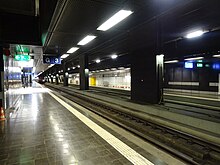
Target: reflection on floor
{"points": [[42, 131]]}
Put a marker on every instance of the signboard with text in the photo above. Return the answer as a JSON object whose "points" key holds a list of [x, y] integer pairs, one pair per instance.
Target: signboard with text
{"points": [[22, 57], [51, 60]]}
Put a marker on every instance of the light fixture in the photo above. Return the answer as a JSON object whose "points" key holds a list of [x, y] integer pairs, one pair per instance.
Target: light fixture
{"points": [[113, 68], [73, 49], [50, 65], [116, 18], [98, 61], [114, 56], [73, 67], [34, 69], [195, 58], [78, 66], [64, 56], [195, 34], [86, 40], [172, 61], [217, 55]]}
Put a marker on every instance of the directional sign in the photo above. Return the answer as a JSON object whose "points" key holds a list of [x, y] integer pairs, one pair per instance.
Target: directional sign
{"points": [[22, 57], [51, 60]]}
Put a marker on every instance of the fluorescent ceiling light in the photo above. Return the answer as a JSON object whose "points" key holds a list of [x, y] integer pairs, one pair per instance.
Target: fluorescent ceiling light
{"points": [[39, 73], [98, 61], [195, 34], [217, 55], [86, 40], [50, 65], [34, 69], [114, 56], [113, 68], [73, 49], [195, 58], [172, 61], [64, 56], [118, 17]]}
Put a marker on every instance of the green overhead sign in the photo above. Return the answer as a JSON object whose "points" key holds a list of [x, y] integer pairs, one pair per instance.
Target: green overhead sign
{"points": [[23, 49], [22, 57], [199, 65]]}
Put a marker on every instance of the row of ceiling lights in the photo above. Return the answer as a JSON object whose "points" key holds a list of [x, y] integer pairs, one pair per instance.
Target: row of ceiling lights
{"points": [[119, 16], [96, 71], [191, 59], [116, 18], [114, 56]]}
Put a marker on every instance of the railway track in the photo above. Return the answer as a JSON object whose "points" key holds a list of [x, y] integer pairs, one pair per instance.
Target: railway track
{"points": [[175, 99], [211, 113], [189, 148]]}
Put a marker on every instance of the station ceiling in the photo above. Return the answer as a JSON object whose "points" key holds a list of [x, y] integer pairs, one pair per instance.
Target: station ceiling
{"points": [[154, 24]]}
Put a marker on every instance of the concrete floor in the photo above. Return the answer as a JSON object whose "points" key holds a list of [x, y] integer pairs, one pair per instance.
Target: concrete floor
{"points": [[43, 131]]}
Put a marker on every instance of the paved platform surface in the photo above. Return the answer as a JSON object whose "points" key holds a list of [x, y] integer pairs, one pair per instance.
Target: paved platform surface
{"points": [[46, 130]]}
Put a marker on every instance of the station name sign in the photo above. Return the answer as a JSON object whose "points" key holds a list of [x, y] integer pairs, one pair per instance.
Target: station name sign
{"points": [[51, 60], [22, 57]]}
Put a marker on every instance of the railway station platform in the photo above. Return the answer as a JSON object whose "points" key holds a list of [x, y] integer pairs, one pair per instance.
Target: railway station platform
{"points": [[47, 129], [201, 123]]}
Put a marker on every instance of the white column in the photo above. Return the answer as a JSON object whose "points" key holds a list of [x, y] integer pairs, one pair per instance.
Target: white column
{"points": [[219, 83]]}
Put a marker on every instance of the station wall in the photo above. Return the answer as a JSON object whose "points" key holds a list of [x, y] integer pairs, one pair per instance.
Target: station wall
{"points": [[177, 78], [120, 79], [195, 79]]}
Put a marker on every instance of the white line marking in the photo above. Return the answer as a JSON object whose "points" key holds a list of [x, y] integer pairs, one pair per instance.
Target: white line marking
{"points": [[121, 147], [201, 98]]}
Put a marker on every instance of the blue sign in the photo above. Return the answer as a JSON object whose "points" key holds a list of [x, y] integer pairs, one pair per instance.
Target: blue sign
{"points": [[216, 66], [188, 65], [51, 60]]}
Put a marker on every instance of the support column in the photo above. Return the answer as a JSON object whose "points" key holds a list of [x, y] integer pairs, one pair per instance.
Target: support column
{"points": [[48, 78], [84, 72], [146, 77], [51, 78], [204, 79], [57, 75], [219, 83], [65, 75], [1, 77]]}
